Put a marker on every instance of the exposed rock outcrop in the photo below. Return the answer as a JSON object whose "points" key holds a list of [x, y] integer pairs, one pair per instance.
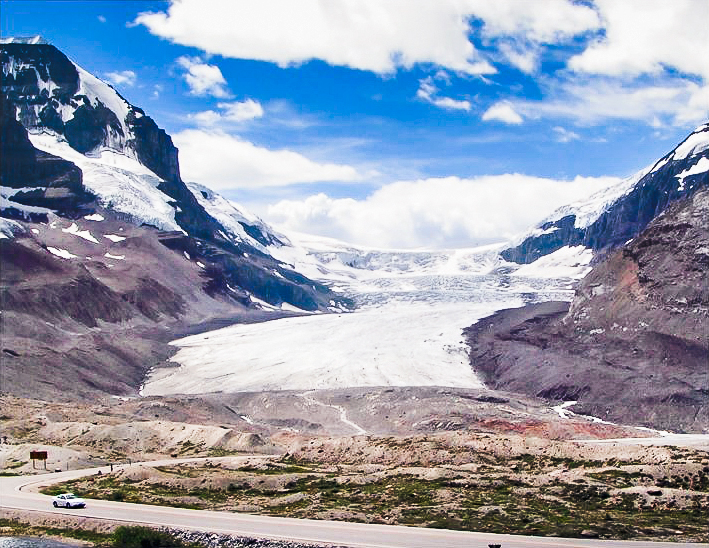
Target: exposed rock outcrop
{"points": [[633, 346]]}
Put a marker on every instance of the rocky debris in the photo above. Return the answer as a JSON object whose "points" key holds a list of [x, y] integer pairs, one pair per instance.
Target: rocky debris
{"points": [[669, 180], [633, 346], [214, 540]]}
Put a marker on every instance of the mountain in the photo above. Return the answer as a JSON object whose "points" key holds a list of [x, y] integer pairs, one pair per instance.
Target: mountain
{"points": [[106, 252], [613, 216], [632, 347]]}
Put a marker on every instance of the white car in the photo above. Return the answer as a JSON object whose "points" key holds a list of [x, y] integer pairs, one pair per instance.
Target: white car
{"points": [[68, 500]]}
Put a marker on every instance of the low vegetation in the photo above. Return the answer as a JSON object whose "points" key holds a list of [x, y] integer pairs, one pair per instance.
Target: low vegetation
{"points": [[527, 494], [122, 537]]}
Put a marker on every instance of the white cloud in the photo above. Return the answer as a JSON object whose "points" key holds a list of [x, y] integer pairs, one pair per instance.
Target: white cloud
{"points": [[441, 213], [124, 77], [670, 101], [237, 111], [647, 37], [365, 34], [101, 18], [240, 111], [222, 161], [429, 92], [564, 135], [548, 22], [502, 112], [203, 79], [524, 57]]}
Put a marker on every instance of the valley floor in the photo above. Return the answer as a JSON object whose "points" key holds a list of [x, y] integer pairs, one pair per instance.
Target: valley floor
{"points": [[480, 483]]}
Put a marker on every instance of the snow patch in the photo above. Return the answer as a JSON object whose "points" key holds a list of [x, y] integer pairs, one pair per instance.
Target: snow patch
{"points": [[94, 217], [117, 257], [701, 166], [292, 308], [567, 262], [695, 144], [114, 238], [63, 253], [85, 234]]}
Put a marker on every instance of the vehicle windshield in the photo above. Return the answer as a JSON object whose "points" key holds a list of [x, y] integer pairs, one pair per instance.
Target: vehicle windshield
{"points": [[70, 496]]}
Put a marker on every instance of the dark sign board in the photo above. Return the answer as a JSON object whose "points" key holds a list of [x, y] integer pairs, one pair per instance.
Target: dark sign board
{"points": [[38, 455]]}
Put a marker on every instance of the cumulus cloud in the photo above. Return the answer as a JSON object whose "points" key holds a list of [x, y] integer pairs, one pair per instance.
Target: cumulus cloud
{"points": [[237, 111], [367, 34], [124, 77], [439, 212], [547, 22], [502, 112], [222, 161], [429, 92], [203, 79], [647, 38]]}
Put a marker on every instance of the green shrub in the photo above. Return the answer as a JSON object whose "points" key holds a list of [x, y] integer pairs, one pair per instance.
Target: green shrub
{"points": [[143, 537]]}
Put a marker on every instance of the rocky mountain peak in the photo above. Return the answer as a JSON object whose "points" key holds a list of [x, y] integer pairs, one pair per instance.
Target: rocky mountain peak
{"points": [[615, 215]]}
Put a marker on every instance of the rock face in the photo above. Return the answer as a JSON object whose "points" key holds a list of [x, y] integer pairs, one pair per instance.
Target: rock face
{"points": [[111, 258], [677, 175], [44, 91], [633, 345], [57, 183]]}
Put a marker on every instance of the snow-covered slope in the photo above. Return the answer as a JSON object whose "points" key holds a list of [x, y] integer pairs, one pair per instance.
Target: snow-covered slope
{"points": [[615, 215], [72, 145], [238, 223], [119, 182]]}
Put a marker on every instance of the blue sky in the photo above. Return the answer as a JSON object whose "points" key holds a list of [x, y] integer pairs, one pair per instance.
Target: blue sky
{"points": [[399, 123]]}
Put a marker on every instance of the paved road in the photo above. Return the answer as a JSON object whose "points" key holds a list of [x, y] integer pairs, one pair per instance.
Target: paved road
{"points": [[17, 492]]}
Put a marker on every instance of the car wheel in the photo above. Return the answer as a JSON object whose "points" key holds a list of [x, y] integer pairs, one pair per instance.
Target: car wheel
{"points": [[54, 503]]}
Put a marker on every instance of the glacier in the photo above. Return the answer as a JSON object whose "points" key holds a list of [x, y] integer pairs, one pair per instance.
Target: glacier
{"points": [[406, 330]]}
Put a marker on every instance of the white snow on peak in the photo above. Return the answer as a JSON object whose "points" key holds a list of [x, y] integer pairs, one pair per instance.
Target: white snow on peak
{"points": [[331, 260], [695, 144], [23, 40], [26, 210], [230, 215], [591, 208], [63, 253], [97, 90], [120, 182]]}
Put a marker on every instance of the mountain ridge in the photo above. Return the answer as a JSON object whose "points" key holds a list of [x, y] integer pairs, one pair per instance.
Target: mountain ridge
{"points": [[611, 217]]}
